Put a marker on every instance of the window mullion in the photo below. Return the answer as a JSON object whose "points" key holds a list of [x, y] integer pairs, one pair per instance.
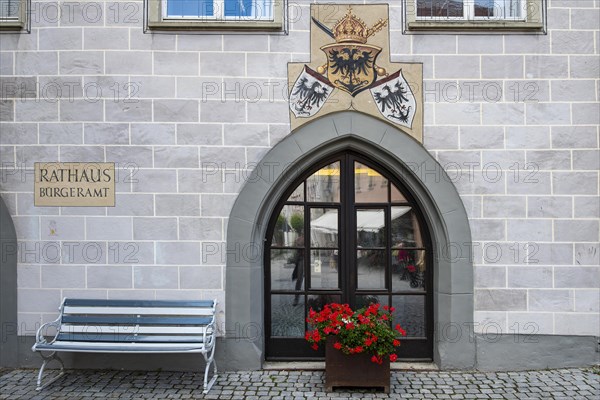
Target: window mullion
{"points": [[469, 10], [219, 7]]}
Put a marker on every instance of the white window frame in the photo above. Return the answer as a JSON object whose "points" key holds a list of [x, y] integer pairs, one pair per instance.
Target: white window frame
{"points": [[20, 22], [532, 17], [157, 18], [219, 7]]}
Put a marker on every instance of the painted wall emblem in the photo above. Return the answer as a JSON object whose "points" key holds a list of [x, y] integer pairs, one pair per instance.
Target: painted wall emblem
{"points": [[395, 99], [309, 93], [350, 70]]}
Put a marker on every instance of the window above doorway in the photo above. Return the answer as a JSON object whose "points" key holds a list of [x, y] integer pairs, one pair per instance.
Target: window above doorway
{"points": [[13, 15], [257, 15], [474, 15]]}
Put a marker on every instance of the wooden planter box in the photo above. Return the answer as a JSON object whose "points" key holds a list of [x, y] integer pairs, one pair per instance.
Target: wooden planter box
{"points": [[354, 370]]}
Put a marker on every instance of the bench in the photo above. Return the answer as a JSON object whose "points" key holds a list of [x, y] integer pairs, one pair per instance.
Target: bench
{"points": [[131, 326]]}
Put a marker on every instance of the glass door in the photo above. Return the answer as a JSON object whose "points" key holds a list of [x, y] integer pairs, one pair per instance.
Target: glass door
{"points": [[346, 233]]}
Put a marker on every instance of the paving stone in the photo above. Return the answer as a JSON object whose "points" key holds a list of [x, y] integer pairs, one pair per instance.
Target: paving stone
{"points": [[278, 385]]}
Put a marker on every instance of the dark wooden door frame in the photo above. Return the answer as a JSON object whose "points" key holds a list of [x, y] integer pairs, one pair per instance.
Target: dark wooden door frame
{"points": [[293, 348]]}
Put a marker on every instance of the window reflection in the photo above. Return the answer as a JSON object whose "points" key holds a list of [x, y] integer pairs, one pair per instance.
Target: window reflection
{"points": [[324, 185], [406, 231], [297, 194], [410, 314], [370, 228], [324, 227], [369, 185], [370, 269], [408, 270], [324, 269], [284, 269], [289, 227]]}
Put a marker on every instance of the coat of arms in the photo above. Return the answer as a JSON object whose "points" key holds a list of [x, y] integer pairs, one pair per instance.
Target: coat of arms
{"points": [[350, 65]]}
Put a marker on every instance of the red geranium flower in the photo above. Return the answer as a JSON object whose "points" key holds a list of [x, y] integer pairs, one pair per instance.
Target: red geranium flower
{"points": [[366, 330], [393, 357]]}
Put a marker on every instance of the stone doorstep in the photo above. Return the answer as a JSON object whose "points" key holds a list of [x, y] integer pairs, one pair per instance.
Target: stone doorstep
{"points": [[320, 365]]}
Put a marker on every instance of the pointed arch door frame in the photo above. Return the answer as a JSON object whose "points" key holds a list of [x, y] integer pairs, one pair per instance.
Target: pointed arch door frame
{"points": [[445, 216]]}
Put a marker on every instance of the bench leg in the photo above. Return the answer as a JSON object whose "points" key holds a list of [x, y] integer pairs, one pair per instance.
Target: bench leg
{"points": [[47, 359], [209, 360]]}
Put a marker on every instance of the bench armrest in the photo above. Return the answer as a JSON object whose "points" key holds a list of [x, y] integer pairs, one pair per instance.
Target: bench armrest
{"points": [[39, 337], [210, 330]]}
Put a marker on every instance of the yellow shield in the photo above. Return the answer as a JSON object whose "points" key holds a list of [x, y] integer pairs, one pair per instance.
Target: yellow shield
{"points": [[351, 67]]}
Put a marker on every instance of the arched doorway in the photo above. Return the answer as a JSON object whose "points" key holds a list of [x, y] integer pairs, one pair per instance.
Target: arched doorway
{"points": [[244, 343], [347, 231]]}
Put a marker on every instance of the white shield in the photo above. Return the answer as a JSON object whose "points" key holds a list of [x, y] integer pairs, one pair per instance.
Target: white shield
{"points": [[309, 93], [395, 100]]}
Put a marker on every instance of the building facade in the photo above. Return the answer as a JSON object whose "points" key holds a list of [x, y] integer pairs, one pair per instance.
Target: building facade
{"points": [[478, 220]]}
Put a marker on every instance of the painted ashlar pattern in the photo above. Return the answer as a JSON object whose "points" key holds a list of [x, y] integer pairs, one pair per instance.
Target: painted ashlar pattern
{"points": [[186, 116]]}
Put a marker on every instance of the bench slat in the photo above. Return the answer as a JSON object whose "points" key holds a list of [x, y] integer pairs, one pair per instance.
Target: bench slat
{"points": [[129, 329], [137, 310], [127, 338], [138, 303], [85, 347], [141, 320]]}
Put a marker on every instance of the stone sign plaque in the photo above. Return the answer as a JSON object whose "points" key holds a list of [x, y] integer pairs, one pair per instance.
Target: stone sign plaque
{"points": [[74, 184]]}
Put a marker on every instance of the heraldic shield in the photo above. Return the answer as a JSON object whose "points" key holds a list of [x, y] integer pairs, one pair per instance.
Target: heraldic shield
{"points": [[351, 67]]}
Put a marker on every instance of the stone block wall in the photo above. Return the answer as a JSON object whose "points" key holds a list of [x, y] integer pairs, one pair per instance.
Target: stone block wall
{"points": [[512, 118]]}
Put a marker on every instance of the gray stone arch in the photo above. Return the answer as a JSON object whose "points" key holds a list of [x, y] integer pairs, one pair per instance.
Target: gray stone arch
{"points": [[454, 344]]}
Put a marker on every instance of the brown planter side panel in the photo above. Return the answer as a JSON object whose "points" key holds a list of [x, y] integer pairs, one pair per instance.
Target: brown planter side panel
{"points": [[356, 370]]}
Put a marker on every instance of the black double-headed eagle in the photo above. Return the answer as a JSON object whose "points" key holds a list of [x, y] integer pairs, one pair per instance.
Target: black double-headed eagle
{"points": [[350, 62], [393, 101], [310, 95]]}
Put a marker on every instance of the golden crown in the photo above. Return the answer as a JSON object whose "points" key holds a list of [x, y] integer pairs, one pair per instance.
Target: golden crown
{"points": [[352, 29]]}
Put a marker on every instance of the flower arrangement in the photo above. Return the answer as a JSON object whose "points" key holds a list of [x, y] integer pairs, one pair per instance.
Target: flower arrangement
{"points": [[365, 330]]}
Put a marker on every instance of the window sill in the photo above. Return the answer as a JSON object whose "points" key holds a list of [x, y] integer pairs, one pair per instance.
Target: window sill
{"points": [[476, 26], [14, 26], [215, 26]]}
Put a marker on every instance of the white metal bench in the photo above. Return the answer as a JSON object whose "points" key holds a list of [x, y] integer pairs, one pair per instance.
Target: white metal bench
{"points": [[131, 326]]}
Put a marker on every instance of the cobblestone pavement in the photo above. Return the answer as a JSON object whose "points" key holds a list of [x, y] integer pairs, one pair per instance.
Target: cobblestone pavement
{"points": [[568, 384]]}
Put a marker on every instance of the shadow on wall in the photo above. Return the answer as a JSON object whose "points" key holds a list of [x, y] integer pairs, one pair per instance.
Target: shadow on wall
{"points": [[8, 289]]}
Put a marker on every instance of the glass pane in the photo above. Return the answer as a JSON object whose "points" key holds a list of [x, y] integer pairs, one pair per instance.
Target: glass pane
{"points": [[397, 196], [440, 8], [370, 269], [324, 229], [324, 269], [287, 272], [365, 300], [405, 228], [298, 194], [287, 315], [408, 270], [318, 301], [410, 314], [238, 8], [324, 185], [484, 8], [9, 8], [289, 227], [190, 8], [369, 185], [370, 228], [497, 8]]}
